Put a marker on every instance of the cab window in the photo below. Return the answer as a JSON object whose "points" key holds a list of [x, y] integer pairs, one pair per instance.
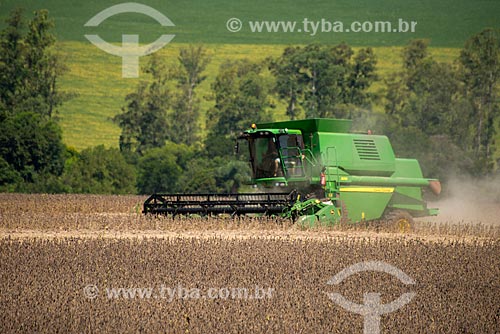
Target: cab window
{"points": [[266, 162]]}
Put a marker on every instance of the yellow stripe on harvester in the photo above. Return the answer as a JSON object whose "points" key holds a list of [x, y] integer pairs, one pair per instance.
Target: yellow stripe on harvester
{"points": [[367, 189]]}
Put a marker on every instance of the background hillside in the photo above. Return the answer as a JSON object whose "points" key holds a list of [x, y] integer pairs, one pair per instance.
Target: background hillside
{"points": [[95, 76], [448, 23]]}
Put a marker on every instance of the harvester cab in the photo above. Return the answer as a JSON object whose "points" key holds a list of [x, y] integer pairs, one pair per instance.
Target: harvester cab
{"points": [[277, 156]]}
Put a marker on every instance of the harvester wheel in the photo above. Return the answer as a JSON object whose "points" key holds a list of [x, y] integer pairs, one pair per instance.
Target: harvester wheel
{"points": [[399, 220]]}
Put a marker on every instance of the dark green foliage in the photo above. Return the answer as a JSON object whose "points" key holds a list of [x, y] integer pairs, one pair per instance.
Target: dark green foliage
{"points": [[186, 110], [480, 72], [321, 79], [30, 145], [154, 113], [446, 116], [9, 177], [415, 53], [439, 156], [426, 98], [199, 177], [144, 119], [424, 114], [31, 149], [217, 145], [361, 76], [28, 66], [11, 61], [99, 170], [44, 67], [241, 96], [160, 168], [171, 166], [289, 82], [219, 175], [232, 175], [177, 168]]}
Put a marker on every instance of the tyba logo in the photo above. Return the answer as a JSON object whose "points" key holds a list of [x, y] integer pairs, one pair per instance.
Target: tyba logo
{"points": [[371, 309], [130, 51]]}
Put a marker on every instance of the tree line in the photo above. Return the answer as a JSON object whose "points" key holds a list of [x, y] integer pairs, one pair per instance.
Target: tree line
{"points": [[443, 114]]}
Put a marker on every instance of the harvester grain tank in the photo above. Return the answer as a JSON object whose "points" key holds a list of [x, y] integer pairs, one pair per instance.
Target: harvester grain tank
{"points": [[316, 171]]}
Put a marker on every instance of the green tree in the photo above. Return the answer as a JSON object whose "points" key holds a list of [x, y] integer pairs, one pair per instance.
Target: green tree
{"points": [[144, 119], [361, 76], [99, 170], [439, 156], [289, 79], [231, 175], [159, 169], [199, 177], [29, 68], [186, 109], [428, 117], [44, 67], [31, 144], [322, 77], [9, 177], [241, 96], [12, 66], [480, 70], [31, 149], [425, 94], [322, 80], [415, 53], [217, 175], [456, 107]]}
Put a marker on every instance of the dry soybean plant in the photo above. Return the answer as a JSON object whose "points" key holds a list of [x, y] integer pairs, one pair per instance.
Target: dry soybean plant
{"points": [[123, 213], [66, 285]]}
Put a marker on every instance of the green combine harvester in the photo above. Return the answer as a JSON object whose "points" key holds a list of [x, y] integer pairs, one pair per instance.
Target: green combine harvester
{"points": [[317, 172]]}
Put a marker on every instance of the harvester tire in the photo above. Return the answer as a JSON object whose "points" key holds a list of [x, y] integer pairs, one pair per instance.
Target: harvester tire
{"points": [[400, 221]]}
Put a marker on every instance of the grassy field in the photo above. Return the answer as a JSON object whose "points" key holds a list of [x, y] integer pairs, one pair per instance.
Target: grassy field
{"points": [[448, 22], [95, 76], [96, 79]]}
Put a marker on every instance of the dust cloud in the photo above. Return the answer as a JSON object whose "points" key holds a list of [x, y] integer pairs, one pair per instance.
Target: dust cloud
{"points": [[469, 201]]}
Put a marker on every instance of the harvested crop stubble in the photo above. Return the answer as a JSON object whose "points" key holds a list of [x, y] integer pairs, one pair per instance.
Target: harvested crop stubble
{"points": [[74, 203], [41, 211], [87, 213], [42, 285]]}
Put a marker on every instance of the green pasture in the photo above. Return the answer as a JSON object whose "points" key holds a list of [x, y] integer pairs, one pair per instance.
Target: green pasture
{"points": [[96, 78], [448, 23]]}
